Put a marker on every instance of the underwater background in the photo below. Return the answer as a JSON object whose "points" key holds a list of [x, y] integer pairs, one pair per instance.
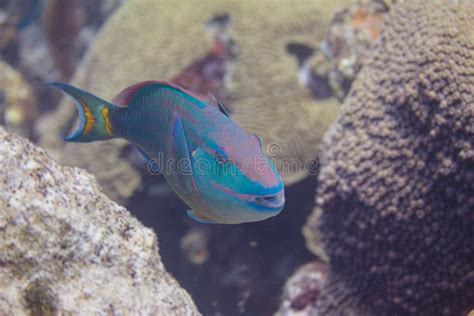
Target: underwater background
{"points": [[366, 107]]}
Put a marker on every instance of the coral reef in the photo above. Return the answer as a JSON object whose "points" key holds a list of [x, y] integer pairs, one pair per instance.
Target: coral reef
{"points": [[302, 290], [65, 248], [17, 101], [265, 95], [207, 73], [350, 37], [396, 187], [314, 240]]}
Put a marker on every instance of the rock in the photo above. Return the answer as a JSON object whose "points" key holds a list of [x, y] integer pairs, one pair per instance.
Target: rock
{"points": [[65, 248]]}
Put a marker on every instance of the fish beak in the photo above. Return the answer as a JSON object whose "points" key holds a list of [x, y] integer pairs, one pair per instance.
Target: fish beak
{"points": [[272, 201]]}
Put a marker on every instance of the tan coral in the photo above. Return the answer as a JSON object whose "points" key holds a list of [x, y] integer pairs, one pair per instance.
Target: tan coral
{"points": [[314, 240], [66, 249], [265, 95], [17, 100], [396, 188]]}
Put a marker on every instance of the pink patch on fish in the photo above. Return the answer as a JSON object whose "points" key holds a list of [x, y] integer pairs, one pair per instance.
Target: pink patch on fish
{"points": [[247, 155]]}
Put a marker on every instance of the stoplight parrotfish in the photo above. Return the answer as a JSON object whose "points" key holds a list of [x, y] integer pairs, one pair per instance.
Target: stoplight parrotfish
{"points": [[217, 168]]}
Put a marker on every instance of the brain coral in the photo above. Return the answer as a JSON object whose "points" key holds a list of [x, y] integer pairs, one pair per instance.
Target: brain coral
{"points": [[264, 95], [397, 185]]}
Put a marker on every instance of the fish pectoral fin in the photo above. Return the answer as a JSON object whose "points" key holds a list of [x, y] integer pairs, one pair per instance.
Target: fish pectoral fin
{"points": [[143, 153], [200, 218], [181, 170], [152, 164]]}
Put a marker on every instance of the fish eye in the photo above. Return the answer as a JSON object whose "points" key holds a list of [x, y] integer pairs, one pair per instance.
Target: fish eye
{"points": [[220, 158]]}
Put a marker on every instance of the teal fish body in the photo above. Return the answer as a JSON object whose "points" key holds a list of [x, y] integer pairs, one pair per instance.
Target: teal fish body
{"points": [[217, 168]]}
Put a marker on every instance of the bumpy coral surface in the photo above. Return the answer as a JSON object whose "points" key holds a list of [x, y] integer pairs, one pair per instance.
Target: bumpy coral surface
{"points": [[397, 186], [313, 237], [65, 248], [265, 94]]}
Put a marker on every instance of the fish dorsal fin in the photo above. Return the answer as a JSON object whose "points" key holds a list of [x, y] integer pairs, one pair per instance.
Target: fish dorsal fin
{"points": [[125, 96], [223, 109], [209, 99], [212, 100]]}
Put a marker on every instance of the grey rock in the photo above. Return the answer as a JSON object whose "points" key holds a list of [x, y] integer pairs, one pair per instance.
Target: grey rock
{"points": [[65, 248]]}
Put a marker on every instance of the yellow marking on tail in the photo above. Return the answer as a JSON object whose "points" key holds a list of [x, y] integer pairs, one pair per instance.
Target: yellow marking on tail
{"points": [[108, 125], [90, 121]]}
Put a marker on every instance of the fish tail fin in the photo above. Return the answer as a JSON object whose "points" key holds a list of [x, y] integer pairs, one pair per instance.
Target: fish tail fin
{"points": [[94, 114]]}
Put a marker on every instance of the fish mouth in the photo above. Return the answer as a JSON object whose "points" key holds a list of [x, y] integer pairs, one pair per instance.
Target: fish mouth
{"points": [[273, 202]]}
